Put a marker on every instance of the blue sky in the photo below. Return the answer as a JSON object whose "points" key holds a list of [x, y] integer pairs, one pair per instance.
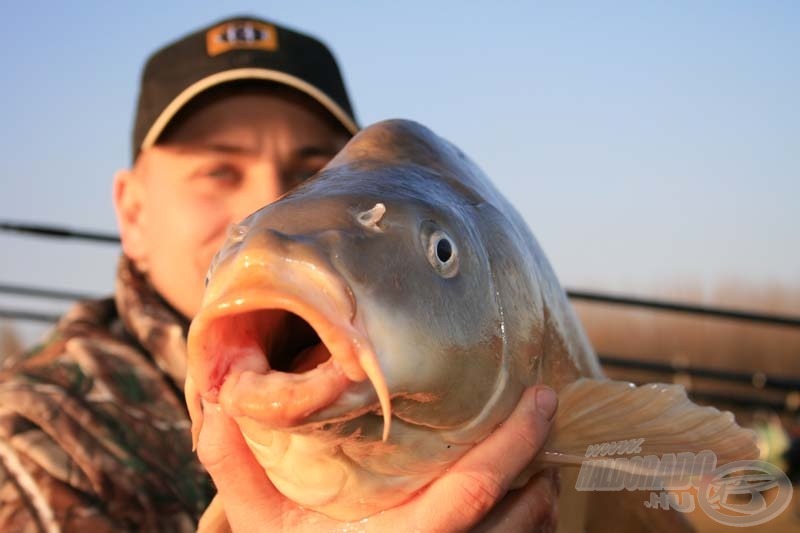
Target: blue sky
{"points": [[645, 143]]}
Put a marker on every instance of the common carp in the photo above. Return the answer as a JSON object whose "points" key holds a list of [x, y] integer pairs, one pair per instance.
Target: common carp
{"points": [[368, 328]]}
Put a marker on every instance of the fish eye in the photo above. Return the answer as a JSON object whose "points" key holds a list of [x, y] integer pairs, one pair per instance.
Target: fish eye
{"points": [[442, 254], [444, 250]]}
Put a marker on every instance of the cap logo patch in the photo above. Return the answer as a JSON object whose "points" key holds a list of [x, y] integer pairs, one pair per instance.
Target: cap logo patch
{"points": [[247, 34]]}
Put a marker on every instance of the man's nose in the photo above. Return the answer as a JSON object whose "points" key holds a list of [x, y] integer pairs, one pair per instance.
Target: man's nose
{"points": [[264, 186]]}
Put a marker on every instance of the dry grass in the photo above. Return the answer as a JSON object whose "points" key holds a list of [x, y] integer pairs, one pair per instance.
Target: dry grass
{"points": [[692, 340], [720, 343]]}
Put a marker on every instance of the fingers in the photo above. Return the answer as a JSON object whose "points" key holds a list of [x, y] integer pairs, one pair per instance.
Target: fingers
{"points": [[531, 508], [241, 482], [455, 502], [465, 494]]}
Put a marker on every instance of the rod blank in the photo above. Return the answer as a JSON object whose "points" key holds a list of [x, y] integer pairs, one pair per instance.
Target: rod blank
{"points": [[47, 230]]}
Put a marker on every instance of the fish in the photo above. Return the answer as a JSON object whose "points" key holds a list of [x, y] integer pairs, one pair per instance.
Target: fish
{"points": [[372, 325]]}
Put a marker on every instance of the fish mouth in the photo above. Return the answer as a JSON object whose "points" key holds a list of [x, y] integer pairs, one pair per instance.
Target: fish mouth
{"points": [[279, 354]]}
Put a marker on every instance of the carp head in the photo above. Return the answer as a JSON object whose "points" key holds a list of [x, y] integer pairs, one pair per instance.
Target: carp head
{"points": [[352, 327]]}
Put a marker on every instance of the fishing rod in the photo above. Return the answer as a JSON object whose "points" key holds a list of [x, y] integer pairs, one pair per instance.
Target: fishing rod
{"points": [[718, 312], [30, 316], [38, 292], [758, 380], [44, 230]]}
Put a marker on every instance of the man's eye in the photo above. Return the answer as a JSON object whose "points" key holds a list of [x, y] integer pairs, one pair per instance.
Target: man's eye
{"points": [[224, 173]]}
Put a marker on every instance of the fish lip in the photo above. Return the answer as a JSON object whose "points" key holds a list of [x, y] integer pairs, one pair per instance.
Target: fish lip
{"points": [[337, 335], [329, 307]]}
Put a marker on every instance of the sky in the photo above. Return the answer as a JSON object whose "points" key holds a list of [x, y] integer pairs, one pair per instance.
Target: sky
{"points": [[645, 143]]}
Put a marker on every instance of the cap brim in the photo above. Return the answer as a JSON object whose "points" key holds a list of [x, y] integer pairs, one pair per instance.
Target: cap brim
{"points": [[196, 88]]}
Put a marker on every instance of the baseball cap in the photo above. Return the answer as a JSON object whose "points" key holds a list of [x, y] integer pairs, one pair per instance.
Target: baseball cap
{"points": [[235, 49]]}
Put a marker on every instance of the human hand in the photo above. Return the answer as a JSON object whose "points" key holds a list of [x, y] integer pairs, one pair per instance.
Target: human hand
{"points": [[472, 495]]}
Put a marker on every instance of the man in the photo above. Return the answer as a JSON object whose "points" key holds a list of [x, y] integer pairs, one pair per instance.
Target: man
{"points": [[94, 434]]}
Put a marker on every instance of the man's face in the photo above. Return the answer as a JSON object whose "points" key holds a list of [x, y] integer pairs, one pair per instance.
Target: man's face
{"points": [[228, 158]]}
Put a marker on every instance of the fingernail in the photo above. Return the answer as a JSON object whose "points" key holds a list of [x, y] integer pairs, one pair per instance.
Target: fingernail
{"points": [[211, 411], [546, 402], [209, 405]]}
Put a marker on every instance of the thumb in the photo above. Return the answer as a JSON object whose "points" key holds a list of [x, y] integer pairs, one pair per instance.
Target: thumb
{"points": [[249, 499], [480, 479]]}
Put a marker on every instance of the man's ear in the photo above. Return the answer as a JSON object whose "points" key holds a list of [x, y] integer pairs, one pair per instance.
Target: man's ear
{"points": [[129, 206]]}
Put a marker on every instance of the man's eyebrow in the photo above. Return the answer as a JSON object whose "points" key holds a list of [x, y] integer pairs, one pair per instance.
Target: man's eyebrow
{"points": [[304, 152], [214, 147], [235, 149]]}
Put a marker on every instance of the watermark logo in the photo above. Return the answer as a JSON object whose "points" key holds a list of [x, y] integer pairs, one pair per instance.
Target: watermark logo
{"points": [[733, 494]]}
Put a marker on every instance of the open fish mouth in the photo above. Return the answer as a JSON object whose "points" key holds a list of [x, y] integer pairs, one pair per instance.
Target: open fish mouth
{"points": [[290, 344], [280, 354]]}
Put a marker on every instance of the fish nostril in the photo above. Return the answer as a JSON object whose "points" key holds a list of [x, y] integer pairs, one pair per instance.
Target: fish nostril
{"points": [[237, 233], [371, 217]]}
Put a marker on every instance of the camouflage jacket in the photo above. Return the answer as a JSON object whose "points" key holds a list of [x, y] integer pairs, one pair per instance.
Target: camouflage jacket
{"points": [[94, 433]]}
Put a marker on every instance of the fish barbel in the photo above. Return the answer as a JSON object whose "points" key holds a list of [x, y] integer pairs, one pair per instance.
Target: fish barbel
{"points": [[371, 326]]}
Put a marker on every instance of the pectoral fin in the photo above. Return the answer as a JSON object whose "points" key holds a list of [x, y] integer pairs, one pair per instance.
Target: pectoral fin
{"points": [[659, 417], [609, 420]]}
